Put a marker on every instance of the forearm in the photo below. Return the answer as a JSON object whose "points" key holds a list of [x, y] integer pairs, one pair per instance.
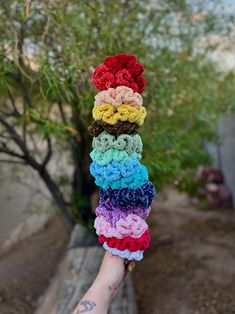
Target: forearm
{"points": [[106, 285], [96, 300]]}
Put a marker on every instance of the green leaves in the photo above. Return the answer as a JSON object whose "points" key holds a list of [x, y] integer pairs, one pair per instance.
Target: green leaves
{"points": [[47, 127], [53, 79], [64, 40]]}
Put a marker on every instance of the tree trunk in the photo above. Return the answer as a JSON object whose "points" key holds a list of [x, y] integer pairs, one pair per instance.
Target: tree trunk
{"points": [[83, 183], [57, 196]]}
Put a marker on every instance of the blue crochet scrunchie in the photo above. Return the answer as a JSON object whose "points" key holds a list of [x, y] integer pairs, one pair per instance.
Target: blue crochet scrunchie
{"points": [[137, 255], [129, 143], [111, 154], [115, 175], [128, 198], [114, 170]]}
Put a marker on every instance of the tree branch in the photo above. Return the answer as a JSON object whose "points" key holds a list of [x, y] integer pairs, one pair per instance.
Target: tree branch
{"points": [[5, 137], [5, 150], [48, 22], [9, 161], [35, 147], [49, 153], [41, 168], [18, 40], [20, 143], [62, 113], [7, 114], [13, 103], [18, 79]]}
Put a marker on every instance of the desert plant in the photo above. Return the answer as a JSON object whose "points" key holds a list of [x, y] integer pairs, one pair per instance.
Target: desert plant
{"points": [[48, 50]]}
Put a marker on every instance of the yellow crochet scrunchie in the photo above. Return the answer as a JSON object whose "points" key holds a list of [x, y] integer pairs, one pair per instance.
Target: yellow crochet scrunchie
{"points": [[112, 114]]}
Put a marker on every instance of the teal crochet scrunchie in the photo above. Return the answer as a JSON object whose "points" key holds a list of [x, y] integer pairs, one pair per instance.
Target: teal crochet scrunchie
{"points": [[113, 154], [129, 143]]}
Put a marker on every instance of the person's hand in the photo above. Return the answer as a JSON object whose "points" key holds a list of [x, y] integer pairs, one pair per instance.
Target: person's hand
{"points": [[112, 271]]}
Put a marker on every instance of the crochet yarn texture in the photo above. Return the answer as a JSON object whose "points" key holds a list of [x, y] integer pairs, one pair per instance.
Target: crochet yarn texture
{"points": [[113, 214], [121, 127], [124, 142], [119, 179], [120, 70], [118, 96], [103, 158], [128, 243], [137, 255], [111, 114], [125, 190], [128, 198], [132, 226], [115, 170]]}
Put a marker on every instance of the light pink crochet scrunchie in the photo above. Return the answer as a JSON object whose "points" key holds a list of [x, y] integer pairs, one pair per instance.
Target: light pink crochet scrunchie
{"points": [[132, 226], [118, 96]]}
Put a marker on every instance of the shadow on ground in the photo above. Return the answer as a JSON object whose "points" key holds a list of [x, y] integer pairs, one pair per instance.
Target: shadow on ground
{"points": [[193, 273], [26, 269]]}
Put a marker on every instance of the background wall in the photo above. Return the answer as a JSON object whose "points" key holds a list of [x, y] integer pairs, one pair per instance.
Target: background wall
{"points": [[224, 153]]}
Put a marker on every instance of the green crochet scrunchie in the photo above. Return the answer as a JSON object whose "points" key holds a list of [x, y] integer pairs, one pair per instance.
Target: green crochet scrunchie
{"points": [[129, 143], [103, 158]]}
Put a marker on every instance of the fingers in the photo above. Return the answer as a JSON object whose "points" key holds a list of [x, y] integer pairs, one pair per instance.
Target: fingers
{"points": [[129, 266]]}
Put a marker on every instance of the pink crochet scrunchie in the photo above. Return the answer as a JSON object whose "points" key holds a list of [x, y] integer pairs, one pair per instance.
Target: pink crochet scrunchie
{"points": [[132, 226], [112, 214], [118, 96]]}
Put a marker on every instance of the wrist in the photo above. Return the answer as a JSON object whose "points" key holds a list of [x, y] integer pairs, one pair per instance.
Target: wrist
{"points": [[102, 290], [99, 295], [105, 288]]}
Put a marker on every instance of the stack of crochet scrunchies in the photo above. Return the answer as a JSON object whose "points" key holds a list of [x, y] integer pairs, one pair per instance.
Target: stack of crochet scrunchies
{"points": [[126, 193]]}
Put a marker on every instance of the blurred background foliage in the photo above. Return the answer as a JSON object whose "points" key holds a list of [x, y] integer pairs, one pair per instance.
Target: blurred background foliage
{"points": [[48, 50]]}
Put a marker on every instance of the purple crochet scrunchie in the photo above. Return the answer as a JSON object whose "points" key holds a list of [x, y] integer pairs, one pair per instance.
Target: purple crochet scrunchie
{"points": [[112, 216], [128, 198]]}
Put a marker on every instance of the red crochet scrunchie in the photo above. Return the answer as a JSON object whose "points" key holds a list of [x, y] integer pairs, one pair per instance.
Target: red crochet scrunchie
{"points": [[128, 243], [120, 70]]}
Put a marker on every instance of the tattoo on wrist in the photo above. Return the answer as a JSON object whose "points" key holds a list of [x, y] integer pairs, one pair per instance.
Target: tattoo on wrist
{"points": [[86, 306]]}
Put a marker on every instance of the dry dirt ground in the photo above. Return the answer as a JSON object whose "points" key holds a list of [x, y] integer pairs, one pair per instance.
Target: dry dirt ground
{"points": [[26, 269], [195, 272]]}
